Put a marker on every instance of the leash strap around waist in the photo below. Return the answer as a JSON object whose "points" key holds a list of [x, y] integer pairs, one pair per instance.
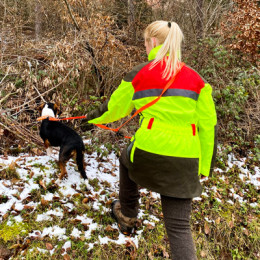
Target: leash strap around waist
{"points": [[145, 106]]}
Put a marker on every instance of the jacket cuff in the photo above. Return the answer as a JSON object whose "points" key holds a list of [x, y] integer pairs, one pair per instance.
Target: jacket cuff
{"points": [[98, 112]]}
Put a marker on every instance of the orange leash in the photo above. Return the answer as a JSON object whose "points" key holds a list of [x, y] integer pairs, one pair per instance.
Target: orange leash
{"points": [[135, 114], [59, 119], [145, 106]]}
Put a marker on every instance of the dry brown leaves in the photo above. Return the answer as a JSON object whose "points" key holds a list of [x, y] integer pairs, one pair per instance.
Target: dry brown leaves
{"points": [[242, 25], [61, 64]]}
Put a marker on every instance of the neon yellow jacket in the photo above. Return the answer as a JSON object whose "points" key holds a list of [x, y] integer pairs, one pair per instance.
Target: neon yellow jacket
{"points": [[180, 127]]}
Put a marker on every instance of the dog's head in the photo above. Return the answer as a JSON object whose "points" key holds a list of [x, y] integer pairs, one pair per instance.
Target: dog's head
{"points": [[50, 109]]}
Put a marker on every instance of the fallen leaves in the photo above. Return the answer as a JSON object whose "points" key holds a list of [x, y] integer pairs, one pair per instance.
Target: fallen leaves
{"points": [[41, 182], [49, 246], [44, 202], [27, 207], [31, 174], [206, 228], [36, 235], [131, 248], [150, 226], [158, 250], [17, 196], [97, 203], [85, 200], [75, 221], [66, 257], [246, 232], [109, 228], [12, 165], [231, 224], [203, 254], [5, 253], [37, 151], [6, 185]]}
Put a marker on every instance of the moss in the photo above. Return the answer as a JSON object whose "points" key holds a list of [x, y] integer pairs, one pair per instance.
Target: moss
{"points": [[8, 233], [9, 173], [95, 183]]}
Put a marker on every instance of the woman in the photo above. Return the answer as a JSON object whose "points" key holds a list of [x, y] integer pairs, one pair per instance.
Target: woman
{"points": [[175, 142]]}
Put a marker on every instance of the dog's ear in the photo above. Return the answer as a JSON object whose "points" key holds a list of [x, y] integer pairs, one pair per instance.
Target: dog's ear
{"points": [[40, 107], [57, 108]]}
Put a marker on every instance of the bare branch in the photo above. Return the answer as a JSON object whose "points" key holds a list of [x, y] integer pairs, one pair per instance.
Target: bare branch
{"points": [[71, 15], [7, 96], [7, 73], [14, 108], [19, 130], [39, 94]]}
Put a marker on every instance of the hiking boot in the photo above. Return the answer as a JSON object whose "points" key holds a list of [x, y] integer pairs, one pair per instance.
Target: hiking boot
{"points": [[125, 224]]}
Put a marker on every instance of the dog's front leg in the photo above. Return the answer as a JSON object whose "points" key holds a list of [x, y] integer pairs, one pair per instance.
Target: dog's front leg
{"points": [[48, 147]]}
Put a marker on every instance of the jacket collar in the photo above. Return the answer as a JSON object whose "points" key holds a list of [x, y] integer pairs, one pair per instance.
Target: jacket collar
{"points": [[153, 52]]}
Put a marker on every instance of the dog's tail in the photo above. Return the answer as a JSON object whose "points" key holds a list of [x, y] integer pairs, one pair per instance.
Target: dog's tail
{"points": [[80, 162]]}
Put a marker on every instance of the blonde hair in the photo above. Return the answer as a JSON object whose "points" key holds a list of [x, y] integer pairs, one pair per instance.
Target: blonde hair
{"points": [[170, 36]]}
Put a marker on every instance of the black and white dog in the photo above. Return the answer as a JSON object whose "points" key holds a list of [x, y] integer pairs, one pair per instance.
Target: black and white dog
{"points": [[55, 133]]}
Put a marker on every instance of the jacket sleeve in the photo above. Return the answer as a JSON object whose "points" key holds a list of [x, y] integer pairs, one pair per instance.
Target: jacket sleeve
{"points": [[207, 120], [119, 105]]}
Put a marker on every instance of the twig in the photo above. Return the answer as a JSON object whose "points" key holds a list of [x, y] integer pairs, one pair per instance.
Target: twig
{"points": [[7, 96], [14, 108], [71, 15], [104, 44], [7, 73], [39, 94], [20, 131], [213, 16]]}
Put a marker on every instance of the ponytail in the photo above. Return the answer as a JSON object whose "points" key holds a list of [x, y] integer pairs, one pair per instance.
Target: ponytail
{"points": [[170, 36]]}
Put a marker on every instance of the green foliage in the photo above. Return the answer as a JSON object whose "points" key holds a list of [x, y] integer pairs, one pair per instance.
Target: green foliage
{"points": [[40, 74], [235, 83], [113, 147], [235, 254], [40, 166], [36, 194], [256, 149], [9, 173], [10, 232], [95, 183], [232, 104], [230, 101], [19, 83], [95, 102], [221, 229]]}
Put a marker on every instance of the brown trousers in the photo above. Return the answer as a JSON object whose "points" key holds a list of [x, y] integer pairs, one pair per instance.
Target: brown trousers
{"points": [[176, 214]]}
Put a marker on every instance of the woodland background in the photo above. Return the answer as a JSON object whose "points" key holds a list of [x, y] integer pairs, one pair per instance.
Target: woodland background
{"points": [[77, 51]]}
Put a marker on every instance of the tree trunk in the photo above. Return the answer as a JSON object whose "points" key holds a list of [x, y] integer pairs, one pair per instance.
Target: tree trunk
{"points": [[131, 19], [37, 20], [200, 19], [131, 13]]}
